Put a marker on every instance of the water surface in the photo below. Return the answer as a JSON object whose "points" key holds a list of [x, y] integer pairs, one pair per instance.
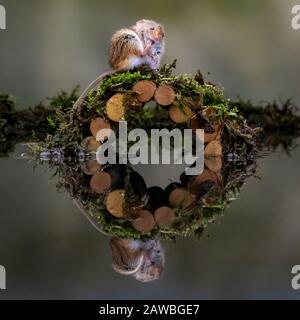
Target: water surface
{"points": [[49, 248]]}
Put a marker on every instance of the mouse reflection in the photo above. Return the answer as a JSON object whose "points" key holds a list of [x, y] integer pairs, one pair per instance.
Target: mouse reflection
{"points": [[144, 260]]}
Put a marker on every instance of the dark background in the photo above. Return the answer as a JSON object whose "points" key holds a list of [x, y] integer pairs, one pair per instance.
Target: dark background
{"points": [[47, 246]]}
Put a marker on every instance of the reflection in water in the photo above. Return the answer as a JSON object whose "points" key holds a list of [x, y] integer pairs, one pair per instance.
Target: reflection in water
{"points": [[258, 264], [144, 259], [135, 217]]}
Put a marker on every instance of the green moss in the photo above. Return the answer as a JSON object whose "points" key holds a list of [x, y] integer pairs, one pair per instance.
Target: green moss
{"points": [[32, 124], [67, 135], [120, 80], [188, 92], [213, 95], [280, 124], [51, 122]]}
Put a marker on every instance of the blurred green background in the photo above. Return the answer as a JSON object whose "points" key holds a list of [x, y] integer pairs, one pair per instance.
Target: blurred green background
{"points": [[50, 250]]}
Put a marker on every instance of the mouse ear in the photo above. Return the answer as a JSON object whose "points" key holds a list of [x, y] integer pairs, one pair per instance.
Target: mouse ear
{"points": [[141, 21]]}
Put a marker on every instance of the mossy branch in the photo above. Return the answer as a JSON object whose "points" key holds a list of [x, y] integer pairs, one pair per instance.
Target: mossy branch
{"points": [[280, 123], [32, 124]]}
